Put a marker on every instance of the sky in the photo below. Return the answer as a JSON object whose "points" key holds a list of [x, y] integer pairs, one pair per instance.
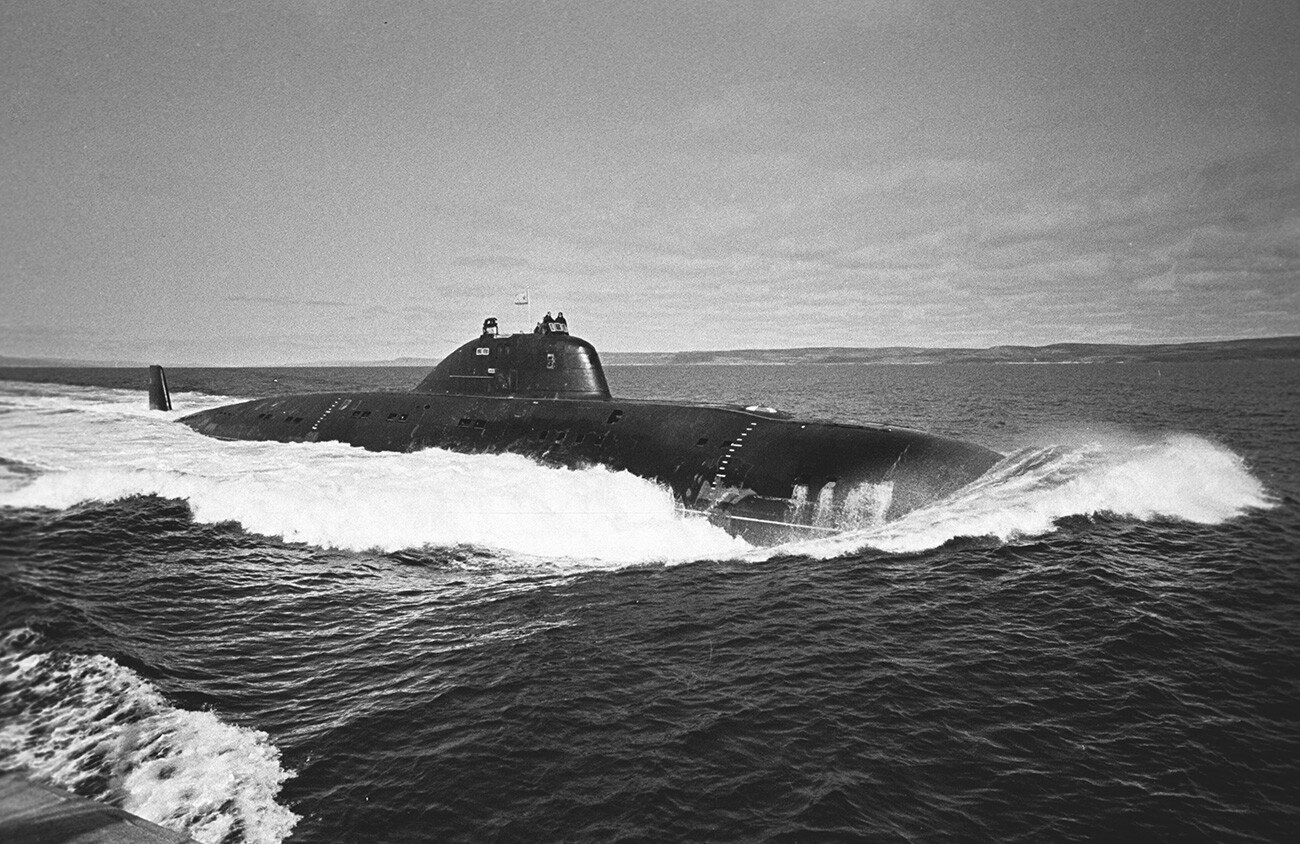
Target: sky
{"points": [[297, 181]]}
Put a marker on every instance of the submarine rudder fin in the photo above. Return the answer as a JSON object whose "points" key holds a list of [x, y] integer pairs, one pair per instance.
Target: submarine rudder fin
{"points": [[159, 396]]}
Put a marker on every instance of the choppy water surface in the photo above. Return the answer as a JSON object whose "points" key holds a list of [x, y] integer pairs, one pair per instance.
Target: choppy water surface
{"points": [[255, 641]]}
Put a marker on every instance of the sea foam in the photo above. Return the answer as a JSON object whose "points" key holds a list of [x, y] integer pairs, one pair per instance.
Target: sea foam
{"points": [[67, 445], [84, 446], [88, 724], [1177, 476]]}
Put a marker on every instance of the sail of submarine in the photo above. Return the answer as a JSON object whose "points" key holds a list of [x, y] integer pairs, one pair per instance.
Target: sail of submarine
{"points": [[760, 473]]}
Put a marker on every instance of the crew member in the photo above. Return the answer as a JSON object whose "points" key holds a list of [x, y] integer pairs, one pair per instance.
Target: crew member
{"points": [[561, 324]]}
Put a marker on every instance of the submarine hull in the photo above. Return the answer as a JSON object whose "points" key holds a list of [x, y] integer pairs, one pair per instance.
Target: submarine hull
{"points": [[760, 474]]}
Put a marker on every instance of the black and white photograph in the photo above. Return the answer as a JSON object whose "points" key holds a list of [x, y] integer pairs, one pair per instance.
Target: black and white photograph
{"points": [[649, 420]]}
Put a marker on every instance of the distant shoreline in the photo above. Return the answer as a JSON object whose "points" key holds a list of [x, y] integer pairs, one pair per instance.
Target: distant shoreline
{"points": [[1262, 349], [1271, 348]]}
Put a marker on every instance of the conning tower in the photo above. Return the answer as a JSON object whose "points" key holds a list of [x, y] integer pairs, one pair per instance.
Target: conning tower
{"points": [[549, 363]]}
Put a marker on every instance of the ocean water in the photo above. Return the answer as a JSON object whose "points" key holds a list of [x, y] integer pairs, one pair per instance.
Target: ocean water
{"points": [[263, 642]]}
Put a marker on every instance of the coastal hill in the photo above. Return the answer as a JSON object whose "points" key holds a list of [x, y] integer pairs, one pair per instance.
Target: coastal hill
{"points": [[1269, 348], [71, 363]]}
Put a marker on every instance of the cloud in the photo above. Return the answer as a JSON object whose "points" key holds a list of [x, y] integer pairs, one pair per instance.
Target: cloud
{"points": [[733, 106], [289, 301], [505, 262]]}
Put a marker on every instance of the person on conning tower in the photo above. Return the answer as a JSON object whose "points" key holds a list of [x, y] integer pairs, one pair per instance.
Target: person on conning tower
{"points": [[561, 324]]}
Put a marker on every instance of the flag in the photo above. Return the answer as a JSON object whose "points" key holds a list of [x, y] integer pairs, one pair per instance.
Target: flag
{"points": [[521, 299]]}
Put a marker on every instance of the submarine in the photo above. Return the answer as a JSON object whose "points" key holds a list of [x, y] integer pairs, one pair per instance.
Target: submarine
{"points": [[760, 473]]}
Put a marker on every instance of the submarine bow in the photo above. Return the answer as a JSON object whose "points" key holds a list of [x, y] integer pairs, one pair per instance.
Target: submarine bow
{"points": [[758, 472]]}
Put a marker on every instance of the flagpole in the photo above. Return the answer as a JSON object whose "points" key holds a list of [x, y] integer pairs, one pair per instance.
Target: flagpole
{"points": [[525, 299]]}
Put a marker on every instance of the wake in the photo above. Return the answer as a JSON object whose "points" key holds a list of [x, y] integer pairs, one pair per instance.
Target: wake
{"points": [[65, 445], [64, 448], [91, 725]]}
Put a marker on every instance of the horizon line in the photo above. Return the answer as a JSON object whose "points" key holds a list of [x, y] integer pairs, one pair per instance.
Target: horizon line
{"points": [[36, 361]]}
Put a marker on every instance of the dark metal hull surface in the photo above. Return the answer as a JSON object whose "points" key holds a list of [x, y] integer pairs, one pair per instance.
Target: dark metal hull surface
{"points": [[760, 474]]}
